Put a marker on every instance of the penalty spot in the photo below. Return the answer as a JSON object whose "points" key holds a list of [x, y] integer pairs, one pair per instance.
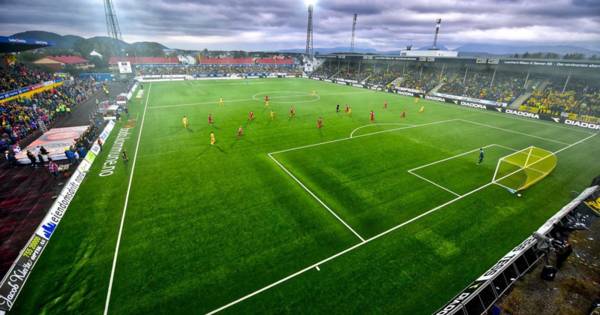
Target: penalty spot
{"points": [[317, 267]]}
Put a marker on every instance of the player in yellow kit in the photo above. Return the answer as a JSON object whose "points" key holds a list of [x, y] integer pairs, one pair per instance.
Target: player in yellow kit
{"points": [[221, 102], [213, 140], [422, 109], [185, 122]]}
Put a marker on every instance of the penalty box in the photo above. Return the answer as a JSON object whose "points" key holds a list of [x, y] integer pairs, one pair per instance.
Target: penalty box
{"points": [[365, 181]]}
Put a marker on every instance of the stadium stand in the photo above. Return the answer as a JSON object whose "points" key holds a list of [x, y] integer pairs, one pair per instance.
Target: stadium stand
{"points": [[484, 85], [17, 76], [579, 98], [20, 118], [223, 67], [525, 85], [26, 192], [144, 60]]}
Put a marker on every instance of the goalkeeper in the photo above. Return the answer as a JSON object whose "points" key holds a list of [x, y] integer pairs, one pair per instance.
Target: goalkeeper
{"points": [[481, 155]]}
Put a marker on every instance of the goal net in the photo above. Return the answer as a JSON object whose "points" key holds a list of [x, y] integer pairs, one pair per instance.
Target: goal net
{"points": [[522, 169]]}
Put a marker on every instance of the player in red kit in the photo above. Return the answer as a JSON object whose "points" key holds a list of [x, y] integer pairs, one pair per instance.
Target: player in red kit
{"points": [[385, 105], [319, 123], [251, 116], [240, 131], [292, 111], [372, 116], [210, 119]]}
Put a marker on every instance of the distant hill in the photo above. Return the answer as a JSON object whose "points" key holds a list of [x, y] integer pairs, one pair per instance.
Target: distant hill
{"points": [[71, 44], [59, 41], [331, 50], [106, 46], [504, 50]]}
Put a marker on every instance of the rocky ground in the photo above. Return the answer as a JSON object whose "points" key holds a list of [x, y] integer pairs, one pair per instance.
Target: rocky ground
{"points": [[575, 288]]}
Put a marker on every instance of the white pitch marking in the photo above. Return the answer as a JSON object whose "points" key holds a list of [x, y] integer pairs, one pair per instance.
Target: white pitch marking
{"points": [[378, 124], [412, 171], [344, 251], [450, 158], [315, 197], [513, 131], [114, 264], [242, 100], [349, 249], [434, 183], [505, 147], [318, 269], [363, 135]]}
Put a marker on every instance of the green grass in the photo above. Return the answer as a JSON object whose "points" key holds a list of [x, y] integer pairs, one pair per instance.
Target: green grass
{"points": [[207, 225]]}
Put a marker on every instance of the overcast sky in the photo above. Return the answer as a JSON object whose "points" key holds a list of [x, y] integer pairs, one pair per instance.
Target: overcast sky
{"points": [[281, 24]]}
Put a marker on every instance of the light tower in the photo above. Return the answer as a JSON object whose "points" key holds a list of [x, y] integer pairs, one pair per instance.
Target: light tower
{"points": [[437, 31], [353, 32], [309, 29], [112, 24]]}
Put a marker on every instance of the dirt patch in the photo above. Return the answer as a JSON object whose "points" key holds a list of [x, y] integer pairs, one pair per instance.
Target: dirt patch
{"points": [[575, 288], [130, 123]]}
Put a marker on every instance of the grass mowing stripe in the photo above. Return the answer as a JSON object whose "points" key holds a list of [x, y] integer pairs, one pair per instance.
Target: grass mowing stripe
{"points": [[375, 237], [316, 198], [114, 264], [363, 135], [434, 183], [248, 99], [513, 131], [449, 158]]}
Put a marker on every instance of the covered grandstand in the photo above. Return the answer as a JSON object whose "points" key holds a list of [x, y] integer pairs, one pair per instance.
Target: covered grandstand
{"points": [[563, 89]]}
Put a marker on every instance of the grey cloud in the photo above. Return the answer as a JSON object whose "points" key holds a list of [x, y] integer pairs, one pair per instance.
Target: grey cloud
{"points": [[383, 24]]}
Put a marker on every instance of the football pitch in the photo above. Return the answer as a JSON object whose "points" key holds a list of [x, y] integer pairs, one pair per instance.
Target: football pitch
{"points": [[391, 216]]}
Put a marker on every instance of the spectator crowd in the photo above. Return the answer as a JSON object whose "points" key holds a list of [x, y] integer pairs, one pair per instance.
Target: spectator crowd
{"points": [[21, 117], [577, 97], [218, 69], [18, 76]]}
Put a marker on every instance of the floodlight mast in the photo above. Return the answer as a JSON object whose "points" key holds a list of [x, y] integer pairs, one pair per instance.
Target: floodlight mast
{"points": [[437, 31], [309, 30], [353, 32], [112, 23]]}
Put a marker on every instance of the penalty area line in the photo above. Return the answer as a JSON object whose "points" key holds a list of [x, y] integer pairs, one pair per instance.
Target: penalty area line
{"points": [[349, 249], [315, 197], [362, 135], [114, 263]]}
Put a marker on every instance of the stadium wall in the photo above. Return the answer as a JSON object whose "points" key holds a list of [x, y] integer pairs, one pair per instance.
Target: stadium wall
{"points": [[14, 280], [480, 296]]}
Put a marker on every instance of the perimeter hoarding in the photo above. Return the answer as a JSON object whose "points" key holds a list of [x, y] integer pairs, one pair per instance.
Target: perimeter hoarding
{"points": [[14, 280]]}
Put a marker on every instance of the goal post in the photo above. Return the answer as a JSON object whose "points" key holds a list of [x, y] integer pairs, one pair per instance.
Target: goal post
{"points": [[524, 168]]}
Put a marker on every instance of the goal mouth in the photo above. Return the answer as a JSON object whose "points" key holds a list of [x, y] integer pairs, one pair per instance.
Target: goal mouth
{"points": [[522, 169]]}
